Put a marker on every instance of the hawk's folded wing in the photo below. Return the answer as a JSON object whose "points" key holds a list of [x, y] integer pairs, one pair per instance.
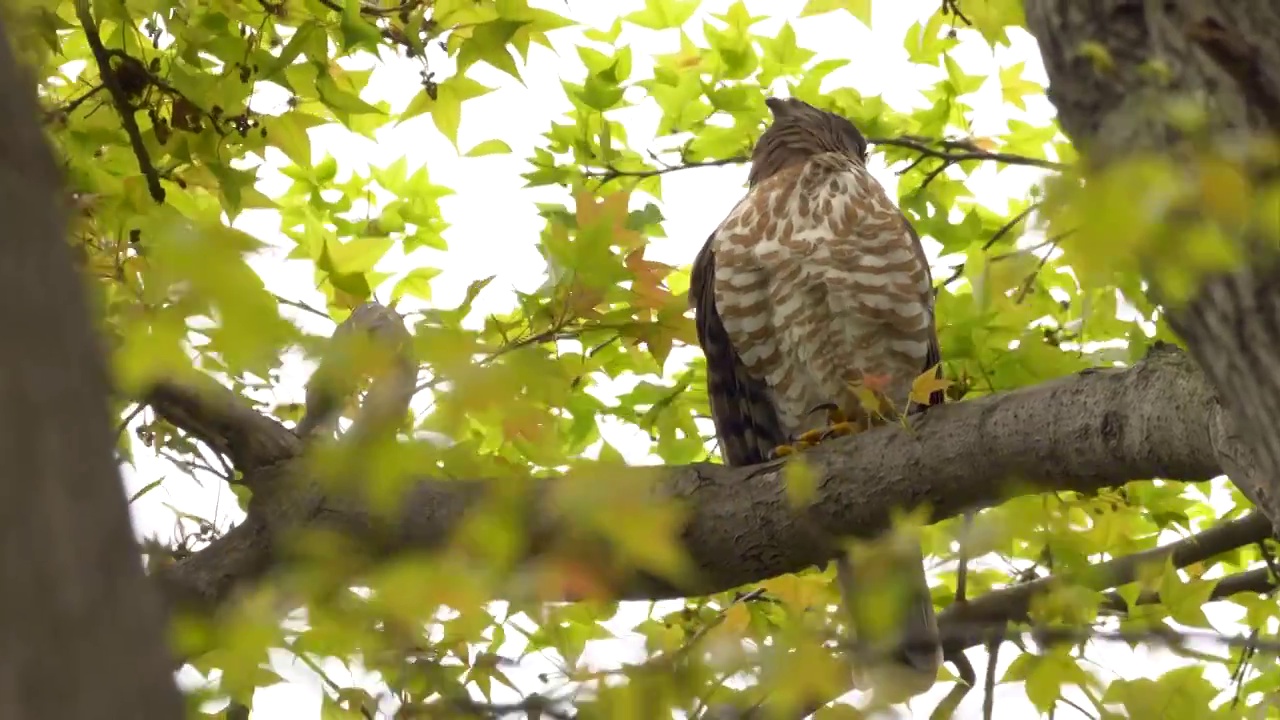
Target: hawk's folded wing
{"points": [[741, 406]]}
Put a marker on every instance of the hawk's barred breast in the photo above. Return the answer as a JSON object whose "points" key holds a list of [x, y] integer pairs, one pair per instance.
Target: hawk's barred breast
{"points": [[819, 282]]}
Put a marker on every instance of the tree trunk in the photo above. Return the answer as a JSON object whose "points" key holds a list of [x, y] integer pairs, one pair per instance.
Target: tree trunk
{"points": [[1223, 55], [81, 633]]}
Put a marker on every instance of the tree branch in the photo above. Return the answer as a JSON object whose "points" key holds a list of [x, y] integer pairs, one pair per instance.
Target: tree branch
{"points": [[1258, 580], [949, 151], [609, 173], [956, 151], [1011, 603], [1082, 432], [119, 97], [222, 420]]}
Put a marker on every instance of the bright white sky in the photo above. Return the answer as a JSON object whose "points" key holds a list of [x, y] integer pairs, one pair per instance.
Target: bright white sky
{"points": [[495, 227]]}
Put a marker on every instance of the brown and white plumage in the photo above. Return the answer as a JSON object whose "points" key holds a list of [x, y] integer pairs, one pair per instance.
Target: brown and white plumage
{"points": [[813, 281]]}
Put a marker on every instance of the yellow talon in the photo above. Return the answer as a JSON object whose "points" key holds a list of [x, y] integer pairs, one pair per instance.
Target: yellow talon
{"points": [[840, 425], [840, 429], [811, 437]]}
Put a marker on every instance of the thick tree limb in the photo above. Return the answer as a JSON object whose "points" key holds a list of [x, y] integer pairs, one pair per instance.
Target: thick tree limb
{"points": [[221, 419], [1083, 432]]}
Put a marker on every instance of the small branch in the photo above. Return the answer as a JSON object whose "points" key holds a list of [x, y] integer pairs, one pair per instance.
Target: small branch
{"points": [[72, 105], [1163, 635], [998, 607], [128, 418], [1241, 670], [989, 688], [1005, 229], [1031, 276], [123, 106], [1011, 603], [952, 152], [609, 174], [301, 306], [952, 7], [1180, 639], [1010, 225], [961, 151], [1258, 580]]}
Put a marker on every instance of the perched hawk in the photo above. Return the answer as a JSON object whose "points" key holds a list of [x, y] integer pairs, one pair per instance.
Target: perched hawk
{"points": [[814, 282]]}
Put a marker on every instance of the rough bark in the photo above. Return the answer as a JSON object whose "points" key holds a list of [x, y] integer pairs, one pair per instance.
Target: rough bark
{"points": [[1225, 56], [1083, 432], [81, 632]]}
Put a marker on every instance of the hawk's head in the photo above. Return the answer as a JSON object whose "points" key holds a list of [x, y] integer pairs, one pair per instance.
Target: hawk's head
{"points": [[800, 130]]}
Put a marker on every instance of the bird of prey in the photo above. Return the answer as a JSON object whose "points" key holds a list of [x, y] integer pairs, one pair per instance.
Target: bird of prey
{"points": [[370, 347], [813, 286]]}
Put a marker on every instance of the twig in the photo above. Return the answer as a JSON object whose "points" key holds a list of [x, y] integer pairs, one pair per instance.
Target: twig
{"points": [[1026, 283], [124, 423], [962, 558], [390, 34], [375, 11], [1241, 670], [301, 306], [933, 175], [334, 687], [73, 105], [610, 173], [1076, 706], [1046, 636], [1010, 225], [989, 688], [952, 152], [123, 107], [1011, 603], [952, 7], [958, 151], [995, 237]]}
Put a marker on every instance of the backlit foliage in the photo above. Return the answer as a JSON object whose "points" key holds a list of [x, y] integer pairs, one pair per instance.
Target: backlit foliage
{"points": [[516, 393]]}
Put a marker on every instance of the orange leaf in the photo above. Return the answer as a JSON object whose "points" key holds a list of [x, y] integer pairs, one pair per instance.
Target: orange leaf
{"points": [[737, 618], [610, 211], [648, 279], [574, 581], [529, 425], [876, 383]]}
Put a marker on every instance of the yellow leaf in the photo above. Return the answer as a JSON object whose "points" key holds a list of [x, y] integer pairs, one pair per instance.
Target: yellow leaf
{"points": [[1098, 54], [797, 592], [926, 384], [1225, 191], [867, 397], [800, 482], [736, 619]]}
